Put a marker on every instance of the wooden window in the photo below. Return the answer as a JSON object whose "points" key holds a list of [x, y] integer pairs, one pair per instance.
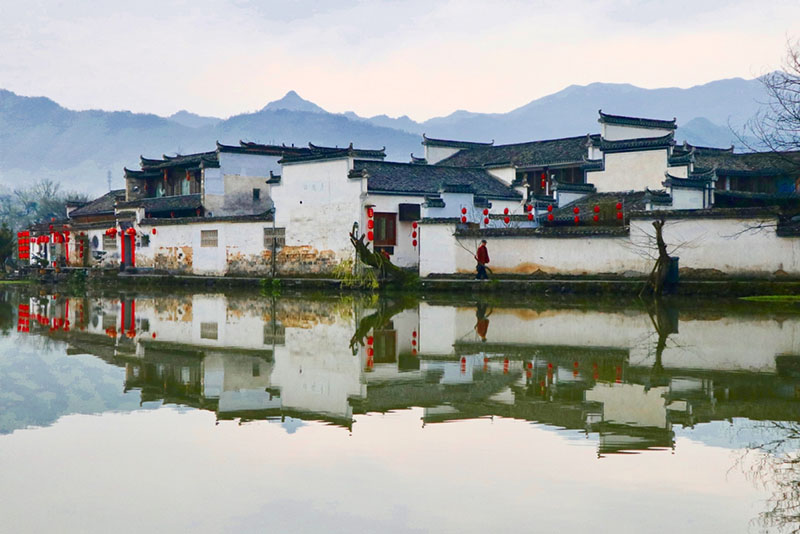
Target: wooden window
{"points": [[109, 243], [144, 242], [385, 229], [208, 238], [274, 334], [208, 330], [280, 238], [409, 212]]}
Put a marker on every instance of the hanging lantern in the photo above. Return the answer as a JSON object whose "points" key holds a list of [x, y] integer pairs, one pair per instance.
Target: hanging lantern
{"points": [[414, 224], [370, 340], [530, 216], [544, 176], [463, 211], [414, 333], [370, 212], [370, 235], [596, 208], [414, 242], [596, 218], [549, 207], [576, 210], [463, 219], [485, 211], [550, 217], [370, 224], [505, 211], [130, 231], [577, 220], [619, 215], [413, 234], [486, 220], [153, 231], [51, 227], [507, 219], [619, 205]]}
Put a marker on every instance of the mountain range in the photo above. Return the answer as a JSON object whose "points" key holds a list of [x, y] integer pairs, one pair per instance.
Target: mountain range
{"points": [[83, 149]]}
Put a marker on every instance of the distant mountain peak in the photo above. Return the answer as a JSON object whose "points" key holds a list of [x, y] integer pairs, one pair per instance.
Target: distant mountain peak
{"points": [[293, 102]]}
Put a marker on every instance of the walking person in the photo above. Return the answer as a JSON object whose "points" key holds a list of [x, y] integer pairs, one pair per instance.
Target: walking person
{"points": [[482, 258]]}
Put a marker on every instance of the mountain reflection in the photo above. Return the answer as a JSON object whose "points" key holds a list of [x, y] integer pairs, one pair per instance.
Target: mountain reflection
{"points": [[627, 374]]}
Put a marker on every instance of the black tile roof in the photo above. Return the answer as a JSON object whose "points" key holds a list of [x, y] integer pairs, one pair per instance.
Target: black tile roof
{"points": [[323, 152], [631, 200], [164, 204], [246, 147], [727, 162], [452, 143], [641, 143], [638, 122], [566, 151], [200, 159], [100, 206], [742, 199], [409, 178]]}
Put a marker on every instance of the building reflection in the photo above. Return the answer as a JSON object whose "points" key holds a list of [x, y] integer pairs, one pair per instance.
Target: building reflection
{"points": [[627, 375]]}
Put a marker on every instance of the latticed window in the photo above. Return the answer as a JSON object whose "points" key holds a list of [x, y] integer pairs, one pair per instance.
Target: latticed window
{"points": [[208, 238], [109, 242], [385, 229], [208, 330], [279, 234]]}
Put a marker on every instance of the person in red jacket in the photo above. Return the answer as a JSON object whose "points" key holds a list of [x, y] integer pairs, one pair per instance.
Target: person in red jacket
{"points": [[483, 258]]}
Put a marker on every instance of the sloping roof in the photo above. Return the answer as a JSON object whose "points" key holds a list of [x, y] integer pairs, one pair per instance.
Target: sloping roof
{"points": [[409, 178], [316, 152], [631, 200], [640, 143], [728, 162], [162, 204], [246, 147], [639, 122], [568, 150], [100, 206], [181, 161], [452, 143]]}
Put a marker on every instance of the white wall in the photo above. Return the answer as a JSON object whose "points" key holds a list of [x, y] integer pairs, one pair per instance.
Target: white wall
{"points": [[435, 154], [505, 174], [405, 254], [687, 199], [630, 171], [618, 132], [437, 249]]}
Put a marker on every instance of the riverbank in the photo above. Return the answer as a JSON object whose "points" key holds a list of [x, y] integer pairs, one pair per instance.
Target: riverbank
{"points": [[517, 285]]}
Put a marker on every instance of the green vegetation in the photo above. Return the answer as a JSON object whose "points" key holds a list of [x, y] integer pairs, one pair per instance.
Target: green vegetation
{"points": [[271, 287], [772, 298], [352, 278]]}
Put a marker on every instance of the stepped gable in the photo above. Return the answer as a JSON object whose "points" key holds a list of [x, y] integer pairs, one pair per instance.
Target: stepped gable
{"points": [[547, 153], [430, 180], [103, 205], [638, 122]]}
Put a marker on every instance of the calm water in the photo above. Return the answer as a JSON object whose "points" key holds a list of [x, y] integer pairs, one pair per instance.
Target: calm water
{"points": [[216, 413]]}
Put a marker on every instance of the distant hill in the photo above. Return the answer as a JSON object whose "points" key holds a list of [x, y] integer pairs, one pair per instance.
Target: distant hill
{"points": [[39, 138]]}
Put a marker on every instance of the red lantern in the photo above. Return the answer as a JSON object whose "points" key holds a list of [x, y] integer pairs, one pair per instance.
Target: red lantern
{"points": [[51, 227], [619, 205], [597, 209], [130, 231], [576, 210], [370, 352], [619, 215], [596, 218], [530, 216], [463, 219], [370, 212], [414, 342], [507, 220], [577, 220], [485, 211], [370, 235], [370, 224], [549, 207], [463, 211], [550, 217], [414, 242], [486, 220], [413, 234], [414, 224], [154, 231], [370, 340], [414, 333], [505, 211], [544, 176]]}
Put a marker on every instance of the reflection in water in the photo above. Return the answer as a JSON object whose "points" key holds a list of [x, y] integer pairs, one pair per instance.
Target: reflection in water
{"points": [[625, 377]]}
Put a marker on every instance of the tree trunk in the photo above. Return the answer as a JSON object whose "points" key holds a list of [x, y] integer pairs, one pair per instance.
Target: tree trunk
{"points": [[658, 276], [387, 271]]}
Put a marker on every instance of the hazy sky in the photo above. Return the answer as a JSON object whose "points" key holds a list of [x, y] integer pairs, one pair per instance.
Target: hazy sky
{"points": [[422, 58]]}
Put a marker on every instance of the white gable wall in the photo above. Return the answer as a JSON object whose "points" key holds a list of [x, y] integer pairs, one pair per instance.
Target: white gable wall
{"points": [[630, 171], [618, 132]]}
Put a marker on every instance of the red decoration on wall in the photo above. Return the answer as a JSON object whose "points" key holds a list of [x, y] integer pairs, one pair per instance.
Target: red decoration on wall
{"points": [[370, 340], [370, 235], [577, 220], [370, 212], [619, 215], [414, 224], [413, 234], [505, 211], [130, 231], [507, 220], [596, 209], [550, 217], [486, 220], [576, 210], [530, 216], [154, 231], [370, 224], [463, 219], [414, 242], [463, 211], [596, 218], [549, 207], [619, 205], [485, 211], [544, 176]]}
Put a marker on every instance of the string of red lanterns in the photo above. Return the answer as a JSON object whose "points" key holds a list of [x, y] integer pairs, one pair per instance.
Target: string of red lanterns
{"points": [[370, 224], [414, 226]]}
